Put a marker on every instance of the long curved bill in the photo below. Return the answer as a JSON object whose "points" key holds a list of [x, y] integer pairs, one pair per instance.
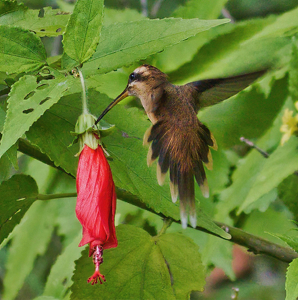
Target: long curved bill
{"points": [[123, 95]]}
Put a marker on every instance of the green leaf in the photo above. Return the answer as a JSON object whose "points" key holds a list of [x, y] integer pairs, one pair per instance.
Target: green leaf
{"points": [[83, 30], [292, 241], [119, 16], [21, 50], [27, 102], [293, 72], [248, 169], [8, 6], [123, 43], [61, 118], [218, 177], [291, 280], [288, 191], [281, 163], [177, 55], [16, 196], [182, 257], [2, 118], [12, 155], [263, 224], [45, 22], [59, 279], [143, 267], [200, 9], [5, 167], [31, 238], [46, 298], [223, 56], [218, 253], [263, 202], [128, 162]]}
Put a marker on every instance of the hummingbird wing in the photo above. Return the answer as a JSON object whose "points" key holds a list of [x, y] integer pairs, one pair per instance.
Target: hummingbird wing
{"points": [[213, 91], [181, 150]]}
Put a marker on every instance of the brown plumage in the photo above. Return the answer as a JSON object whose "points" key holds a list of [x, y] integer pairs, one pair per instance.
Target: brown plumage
{"points": [[179, 141]]}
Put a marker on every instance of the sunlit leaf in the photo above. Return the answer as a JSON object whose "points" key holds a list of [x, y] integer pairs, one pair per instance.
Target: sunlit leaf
{"points": [[143, 267], [177, 55], [248, 170], [281, 163], [288, 191], [291, 281], [21, 50], [293, 74], [28, 100], [83, 30], [45, 22], [123, 43], [264, 43], [292, 241]]}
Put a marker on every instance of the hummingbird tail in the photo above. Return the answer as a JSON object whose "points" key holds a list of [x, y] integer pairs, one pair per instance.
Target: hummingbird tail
{"points": [[201, 179], [183, 155], [186, 192]]}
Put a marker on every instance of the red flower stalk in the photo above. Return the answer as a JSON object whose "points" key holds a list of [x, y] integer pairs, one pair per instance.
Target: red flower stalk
{"points": [[96, 202]]}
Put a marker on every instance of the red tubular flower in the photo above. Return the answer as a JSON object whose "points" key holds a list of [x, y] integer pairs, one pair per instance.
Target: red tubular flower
{"points": [[96, 205]]}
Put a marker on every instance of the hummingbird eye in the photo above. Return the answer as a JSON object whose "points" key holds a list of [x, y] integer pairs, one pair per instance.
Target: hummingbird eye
{"points": [[132, 77]]}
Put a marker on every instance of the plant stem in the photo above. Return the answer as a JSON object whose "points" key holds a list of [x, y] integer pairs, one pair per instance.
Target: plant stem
{"points": [[84, 98], [167, 222], [55, 196], [259, 245], [252, 145], [254, 243]]}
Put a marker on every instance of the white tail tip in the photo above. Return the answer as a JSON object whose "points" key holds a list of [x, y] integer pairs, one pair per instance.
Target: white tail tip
{"points": [[193, 221], [183, 217]]}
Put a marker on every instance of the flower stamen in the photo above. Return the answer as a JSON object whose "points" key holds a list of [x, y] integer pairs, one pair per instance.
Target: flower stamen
{"points": [[97, 260]]}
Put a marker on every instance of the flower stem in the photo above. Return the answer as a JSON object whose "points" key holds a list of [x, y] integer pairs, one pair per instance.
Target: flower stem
{"points": [[167, 222], [84, 97], [55, 196]]}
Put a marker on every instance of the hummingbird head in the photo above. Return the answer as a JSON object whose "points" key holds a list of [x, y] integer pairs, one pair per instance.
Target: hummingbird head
{"points": [[145, 82]]}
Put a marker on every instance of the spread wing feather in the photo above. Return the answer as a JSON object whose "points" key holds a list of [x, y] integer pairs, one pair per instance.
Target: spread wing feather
{"points": [[213, 91]]}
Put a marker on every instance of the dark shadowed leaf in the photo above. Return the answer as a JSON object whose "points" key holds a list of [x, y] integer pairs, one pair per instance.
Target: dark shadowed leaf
{"points": [[31, 239], [16, 196]]}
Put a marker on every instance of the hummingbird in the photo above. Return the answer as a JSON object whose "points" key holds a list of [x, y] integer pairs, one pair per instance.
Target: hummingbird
{"points": [[177, 138]]}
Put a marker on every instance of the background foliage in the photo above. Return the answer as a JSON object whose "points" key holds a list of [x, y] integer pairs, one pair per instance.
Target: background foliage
{"points": [[42, 42]]}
